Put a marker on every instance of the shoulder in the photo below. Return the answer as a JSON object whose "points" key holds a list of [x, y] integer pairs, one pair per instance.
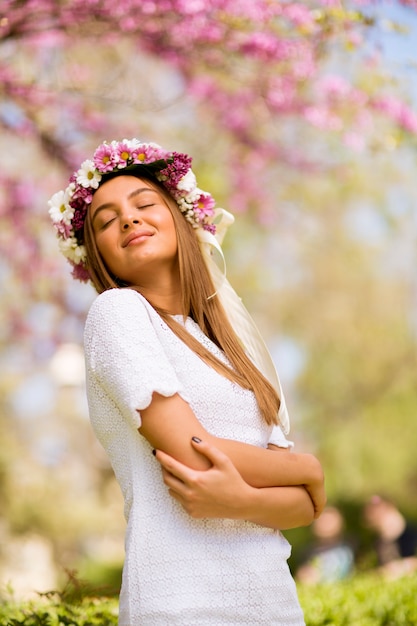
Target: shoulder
{"points": [[117, 306], [115, 299]]}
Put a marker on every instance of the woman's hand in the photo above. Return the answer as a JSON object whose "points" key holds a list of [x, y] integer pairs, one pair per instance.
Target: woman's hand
{"points": [[315, 487], [218, 492], [317, 492]]}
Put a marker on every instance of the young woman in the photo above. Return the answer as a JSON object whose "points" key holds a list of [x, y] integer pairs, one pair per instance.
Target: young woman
{"points": [[183, 397]]}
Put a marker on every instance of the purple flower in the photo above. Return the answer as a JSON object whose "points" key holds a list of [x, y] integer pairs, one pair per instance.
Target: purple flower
{"points": [[175, 170], [211, 228], [79, 218], [81, 196], [80, 272]]}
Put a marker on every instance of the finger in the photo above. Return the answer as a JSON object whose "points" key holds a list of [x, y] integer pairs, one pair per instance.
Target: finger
{"points": [[216, 456], [176, 496], [319, 507], [174, 467], [172, 481], [319, 502]]}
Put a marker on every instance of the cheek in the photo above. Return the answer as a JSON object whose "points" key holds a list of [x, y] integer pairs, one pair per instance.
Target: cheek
{"points": [[105, 246], [101, 244]]}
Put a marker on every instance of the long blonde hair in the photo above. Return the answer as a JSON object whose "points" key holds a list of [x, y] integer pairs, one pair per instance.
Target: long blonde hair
{"points": [[196, 289]]}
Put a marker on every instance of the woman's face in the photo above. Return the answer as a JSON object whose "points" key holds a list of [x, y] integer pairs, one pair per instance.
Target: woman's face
{"points": [[134, 230]]}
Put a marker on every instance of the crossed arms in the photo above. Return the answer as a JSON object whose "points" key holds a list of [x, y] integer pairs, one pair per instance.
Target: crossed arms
{"points": [[215, 477]]}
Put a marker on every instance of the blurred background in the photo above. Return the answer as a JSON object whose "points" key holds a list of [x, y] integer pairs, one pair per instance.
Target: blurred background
{"points": [[301, 120]]}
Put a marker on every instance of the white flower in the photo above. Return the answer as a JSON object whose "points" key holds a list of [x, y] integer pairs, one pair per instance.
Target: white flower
{"points": [[71, 250], [188, 182], [80, 254], [88, 176], [132, 143], [193, 196], [60, 210]]}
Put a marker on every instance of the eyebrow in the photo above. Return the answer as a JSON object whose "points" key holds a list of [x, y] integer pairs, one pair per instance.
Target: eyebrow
{"points": [[110, 205]]}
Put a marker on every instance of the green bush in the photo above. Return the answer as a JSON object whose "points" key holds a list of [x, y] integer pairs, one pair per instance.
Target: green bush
{"points": [[78, 604], [365, 600], [52, 611]]}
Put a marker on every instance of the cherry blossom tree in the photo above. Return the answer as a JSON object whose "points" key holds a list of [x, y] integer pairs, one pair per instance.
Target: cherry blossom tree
{"points": [[254, 89], [253, 66]]}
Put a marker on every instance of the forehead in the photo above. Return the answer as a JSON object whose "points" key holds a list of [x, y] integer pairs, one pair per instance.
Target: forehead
{"points": [[119, 187]]}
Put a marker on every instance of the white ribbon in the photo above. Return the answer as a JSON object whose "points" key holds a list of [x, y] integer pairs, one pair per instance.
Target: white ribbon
{"points": [[236, 312]]}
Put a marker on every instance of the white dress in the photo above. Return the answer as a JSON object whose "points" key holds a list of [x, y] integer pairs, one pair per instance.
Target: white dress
{"points": [[178, 570]]}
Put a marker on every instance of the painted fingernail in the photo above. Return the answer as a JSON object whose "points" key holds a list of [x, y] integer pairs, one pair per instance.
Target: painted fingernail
{"points": [[154, 452], [196, 439]]}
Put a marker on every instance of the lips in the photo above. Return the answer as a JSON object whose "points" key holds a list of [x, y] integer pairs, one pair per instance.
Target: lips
{"points": [[136, 235]]}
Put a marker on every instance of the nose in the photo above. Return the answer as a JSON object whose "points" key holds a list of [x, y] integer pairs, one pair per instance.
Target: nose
{"points": [[129, 220]]}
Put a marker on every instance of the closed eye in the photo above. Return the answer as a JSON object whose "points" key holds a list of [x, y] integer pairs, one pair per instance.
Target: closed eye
{"points": [[107, 223]]}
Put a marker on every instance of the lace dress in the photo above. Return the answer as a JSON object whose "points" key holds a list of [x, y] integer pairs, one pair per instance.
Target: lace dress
{"points": [[178, 570]]}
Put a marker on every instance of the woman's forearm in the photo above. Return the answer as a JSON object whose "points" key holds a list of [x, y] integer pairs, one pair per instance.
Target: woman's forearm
{"points": [[261, 467], [281, 507], [221, 492], [292, 481]]}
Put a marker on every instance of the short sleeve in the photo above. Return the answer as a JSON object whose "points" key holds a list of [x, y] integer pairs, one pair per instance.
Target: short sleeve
{"points": [[124, 355], [277, 438]]}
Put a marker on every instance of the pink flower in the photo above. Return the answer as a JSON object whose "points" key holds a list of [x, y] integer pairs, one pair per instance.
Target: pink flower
{"points": [[64, 230], [335, 86], [105, 158], [322, 117], [143, 154], [205, 205], [124, 152], [354, 140], [398, 111], [300, 15]]}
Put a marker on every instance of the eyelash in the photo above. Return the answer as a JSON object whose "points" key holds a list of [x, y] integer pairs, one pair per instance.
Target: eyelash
{"points": [[143, 206]]}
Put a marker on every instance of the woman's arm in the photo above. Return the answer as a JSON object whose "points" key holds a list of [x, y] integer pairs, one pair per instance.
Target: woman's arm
{"points": [[169, 424], [220, 492]]}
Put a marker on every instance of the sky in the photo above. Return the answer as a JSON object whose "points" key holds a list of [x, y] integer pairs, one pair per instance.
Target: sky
{"points": [[398, 47]]}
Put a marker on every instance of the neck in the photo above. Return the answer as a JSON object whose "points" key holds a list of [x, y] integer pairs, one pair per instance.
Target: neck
{"points": [[166, 296], [160, 284]]}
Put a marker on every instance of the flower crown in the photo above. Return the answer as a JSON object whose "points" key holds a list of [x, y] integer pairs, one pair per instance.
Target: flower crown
{"points": [[68, 208]]}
